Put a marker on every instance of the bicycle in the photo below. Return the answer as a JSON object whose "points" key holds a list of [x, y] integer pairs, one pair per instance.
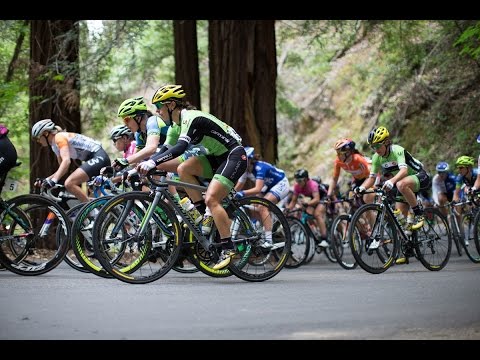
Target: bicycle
{"points": [[339, 235], [135, 218], [374, 237], [34, 233], [463, 230], [314, 231], [82, 235]]}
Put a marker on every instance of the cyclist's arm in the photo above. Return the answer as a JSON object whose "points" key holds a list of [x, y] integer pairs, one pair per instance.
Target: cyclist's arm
{"points": [[403, 172], [64, 163], [256, 189], [292, 202], [332, 186], [149, 149]]}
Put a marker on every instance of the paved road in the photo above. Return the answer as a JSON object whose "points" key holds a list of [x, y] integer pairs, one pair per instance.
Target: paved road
{"points": [[317, 301]]}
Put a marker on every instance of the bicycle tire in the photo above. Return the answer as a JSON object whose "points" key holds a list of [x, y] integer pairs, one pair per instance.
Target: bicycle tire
{"points": [[137, 266], [300, 243], [37, 258], [340, 244], [256, 263], [70, 258], [433, 241], [468, 234], [82, 249], [379, 260]]}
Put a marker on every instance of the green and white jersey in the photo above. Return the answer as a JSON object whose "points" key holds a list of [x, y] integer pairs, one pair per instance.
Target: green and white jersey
{"points": [[397, 158], [198, 127], [203, 129]]}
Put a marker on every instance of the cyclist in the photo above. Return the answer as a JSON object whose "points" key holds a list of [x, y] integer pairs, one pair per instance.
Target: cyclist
{"points": [[476, 185], [68, 146], [407, 173], [270, 183], [352, 161], [150, 131], [443, 185], [8, 155], [307, 187], [226, 157], [466, 178], [123, 140]]}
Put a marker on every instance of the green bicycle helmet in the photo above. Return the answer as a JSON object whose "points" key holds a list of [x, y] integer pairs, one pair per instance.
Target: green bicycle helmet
{"points": [[132, 107], [465, 161], [378, 135]]}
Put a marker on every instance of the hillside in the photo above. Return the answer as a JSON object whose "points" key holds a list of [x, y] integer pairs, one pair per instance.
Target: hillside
{"points": [[430, 106]]}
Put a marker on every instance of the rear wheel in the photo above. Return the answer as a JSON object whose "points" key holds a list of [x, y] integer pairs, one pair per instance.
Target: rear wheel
{"points": [[340, 244], [433, 242]]}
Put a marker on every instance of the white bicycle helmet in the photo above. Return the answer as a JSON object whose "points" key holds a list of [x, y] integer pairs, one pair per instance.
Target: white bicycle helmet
{"points": [[119, 131], [40, 126]]}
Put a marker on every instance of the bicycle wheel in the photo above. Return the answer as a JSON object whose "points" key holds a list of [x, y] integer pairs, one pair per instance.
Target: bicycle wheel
{"points": [[119, 223], [433, 242], [29, 244], [476, 229], [204, 260], [253, 261], [374, 243], [455, 234], [312, 246], [82, 242], [70, 257], [300, 243], [339, 242], [467, 238]]}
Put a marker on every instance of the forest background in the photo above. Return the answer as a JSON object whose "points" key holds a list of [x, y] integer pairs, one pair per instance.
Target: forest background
{"points": [[332, 79]]}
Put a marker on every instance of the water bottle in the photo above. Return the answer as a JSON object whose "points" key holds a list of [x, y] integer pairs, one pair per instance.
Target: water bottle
{"points": [[410, 222], [400, 218], [187, 205]]}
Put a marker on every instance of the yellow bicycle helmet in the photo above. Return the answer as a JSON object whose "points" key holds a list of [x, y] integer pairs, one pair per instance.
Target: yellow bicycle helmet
{"points": [[167, 92], [131, 107], [377, 135], [465, 161]]}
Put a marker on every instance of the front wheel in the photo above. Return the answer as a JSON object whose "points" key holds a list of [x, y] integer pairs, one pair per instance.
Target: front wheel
{"points": [[373, 241], [300, 243]]}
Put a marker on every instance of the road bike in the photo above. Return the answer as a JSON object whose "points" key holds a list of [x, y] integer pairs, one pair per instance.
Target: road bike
{"points": [[137, 218], [34, 233], [377, 239]]}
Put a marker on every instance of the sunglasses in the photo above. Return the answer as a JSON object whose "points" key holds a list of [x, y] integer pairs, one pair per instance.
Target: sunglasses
{"points": [[461, 167], [300, 180], [159, 104], [376, 146], [342, 152], [116, 139]]}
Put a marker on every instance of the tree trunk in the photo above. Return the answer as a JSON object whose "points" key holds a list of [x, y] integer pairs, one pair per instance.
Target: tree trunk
{"points": [[186, 59], [54, 85], [243, 65]]}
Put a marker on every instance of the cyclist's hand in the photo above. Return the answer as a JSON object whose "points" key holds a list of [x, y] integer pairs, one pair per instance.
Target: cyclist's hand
{"points": [[107, 171], [239, 194], [359, 190], [120, 163], [387, 185], [98, 181], [48, 183], [145, 166], [38, 182]]}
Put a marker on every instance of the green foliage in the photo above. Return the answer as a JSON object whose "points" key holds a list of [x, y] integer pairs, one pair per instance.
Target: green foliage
{"points": [[469, 41]]}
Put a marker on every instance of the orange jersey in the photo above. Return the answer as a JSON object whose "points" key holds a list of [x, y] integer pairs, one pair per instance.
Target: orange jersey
{"points": [[357, 166]]}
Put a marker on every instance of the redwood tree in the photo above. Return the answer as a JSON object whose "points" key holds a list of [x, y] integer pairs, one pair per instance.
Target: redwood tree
{"points": [[186, 59], [54, 85], [243, 71]]}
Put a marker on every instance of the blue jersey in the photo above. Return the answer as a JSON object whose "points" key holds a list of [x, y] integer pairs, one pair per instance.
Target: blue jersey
{"points": [[155, 126], [266, 172], [460, 180]]}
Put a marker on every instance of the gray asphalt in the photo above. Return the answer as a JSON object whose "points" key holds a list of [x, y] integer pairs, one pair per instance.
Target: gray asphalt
{"points": [[317, 301]]}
